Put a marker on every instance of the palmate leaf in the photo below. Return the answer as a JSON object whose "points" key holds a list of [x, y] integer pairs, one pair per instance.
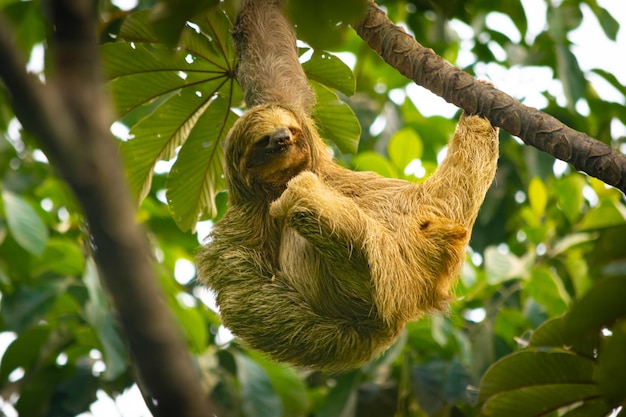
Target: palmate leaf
{"points": [[192, 183], [183, 97], [188, 93]]}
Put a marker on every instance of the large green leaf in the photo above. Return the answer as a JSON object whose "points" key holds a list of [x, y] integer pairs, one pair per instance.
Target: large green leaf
{"points": [[336, 120], [602, 306], [547, 289], [404, 146], [196, 177], [612, 366], [331, 71], [25, 225], [190, 90], [531, 383]]}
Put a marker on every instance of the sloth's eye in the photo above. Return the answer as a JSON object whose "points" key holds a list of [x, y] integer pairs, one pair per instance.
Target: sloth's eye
{"points": [[264, 141]]}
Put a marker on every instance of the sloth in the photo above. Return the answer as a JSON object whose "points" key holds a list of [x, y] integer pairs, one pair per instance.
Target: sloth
{"points": [[313, 264]]}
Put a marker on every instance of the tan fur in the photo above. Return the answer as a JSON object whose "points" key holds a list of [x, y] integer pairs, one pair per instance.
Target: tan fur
{"points": [[320, 266]]}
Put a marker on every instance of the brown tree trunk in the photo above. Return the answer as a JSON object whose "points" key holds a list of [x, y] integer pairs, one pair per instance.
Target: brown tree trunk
{"points": [[534, 127], [70, 116]]}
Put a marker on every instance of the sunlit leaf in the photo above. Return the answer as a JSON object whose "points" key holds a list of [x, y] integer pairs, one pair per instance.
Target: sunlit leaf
{"points": [[569, 196], [181, 84], [372, 161], [607, 213], [404, 146], [537, 196], [25, 225], [501, 266], [547, 289], [196, 177], [330, 71]]}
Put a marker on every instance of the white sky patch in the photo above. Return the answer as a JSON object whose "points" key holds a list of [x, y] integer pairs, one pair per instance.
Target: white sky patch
{"points": [[203, 229], [184, 271], [125, 4]]}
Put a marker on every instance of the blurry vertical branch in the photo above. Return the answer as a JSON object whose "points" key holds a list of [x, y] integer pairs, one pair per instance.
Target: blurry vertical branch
{"points": [[70, 116], [535, 128]]}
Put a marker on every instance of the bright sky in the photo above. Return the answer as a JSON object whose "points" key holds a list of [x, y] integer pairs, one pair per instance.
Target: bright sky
{"points": [[592, 49]]}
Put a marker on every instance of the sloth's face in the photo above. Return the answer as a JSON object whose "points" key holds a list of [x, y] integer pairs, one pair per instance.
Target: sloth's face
{"points": [[275, 149]]}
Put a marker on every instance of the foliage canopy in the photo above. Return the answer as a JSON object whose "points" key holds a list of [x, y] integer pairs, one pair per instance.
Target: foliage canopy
{"points": [[539, 327]]}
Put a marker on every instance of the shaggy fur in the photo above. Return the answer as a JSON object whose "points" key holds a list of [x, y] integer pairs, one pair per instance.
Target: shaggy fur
{"points": [[317, 265]]}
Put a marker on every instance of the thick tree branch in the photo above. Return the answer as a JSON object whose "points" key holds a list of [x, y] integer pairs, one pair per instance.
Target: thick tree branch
{"points": [[70, 116], [534, 127]]}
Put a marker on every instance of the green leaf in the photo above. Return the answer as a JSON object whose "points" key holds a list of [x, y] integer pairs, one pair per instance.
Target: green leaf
{"points": [[529, 383], [537, 197], [547, 289], [63, 256], [609, 25], [336, 120], [570, 75], [158, 136], [24, 350], [341, 399], [404, 146], [179, 89], [287, 384], [569, 196], [552, 334], [612, 367], [323, 23], [438, 383], [329, 70], [501, 267], [257, 394], [612, 79], [25, 225], [372, 161], [27, 305], [170, 17], [197, 176], [99, 316], [600, 307], [606, 214], [538, 401]]}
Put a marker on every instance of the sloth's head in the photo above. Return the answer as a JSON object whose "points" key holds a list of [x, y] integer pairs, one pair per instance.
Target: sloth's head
{"points": [[267, 147]]}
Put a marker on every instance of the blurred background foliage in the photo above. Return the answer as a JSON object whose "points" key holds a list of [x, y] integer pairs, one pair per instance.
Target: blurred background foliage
{"points": [[539, 326]]}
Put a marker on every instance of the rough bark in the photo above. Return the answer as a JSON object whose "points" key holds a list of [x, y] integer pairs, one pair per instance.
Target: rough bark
{"points": [[532, 126], [70, 116]]}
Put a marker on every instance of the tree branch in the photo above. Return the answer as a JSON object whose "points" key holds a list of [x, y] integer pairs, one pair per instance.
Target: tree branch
{"points": [[534, 127], [70, 116]]}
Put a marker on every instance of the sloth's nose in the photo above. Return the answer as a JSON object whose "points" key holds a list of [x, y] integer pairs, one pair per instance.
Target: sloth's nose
{"points": [[280, 138]]}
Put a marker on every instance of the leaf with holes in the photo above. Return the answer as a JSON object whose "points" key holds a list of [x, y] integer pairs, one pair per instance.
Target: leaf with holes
{"points": [[173, 91], [193, 182]]}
